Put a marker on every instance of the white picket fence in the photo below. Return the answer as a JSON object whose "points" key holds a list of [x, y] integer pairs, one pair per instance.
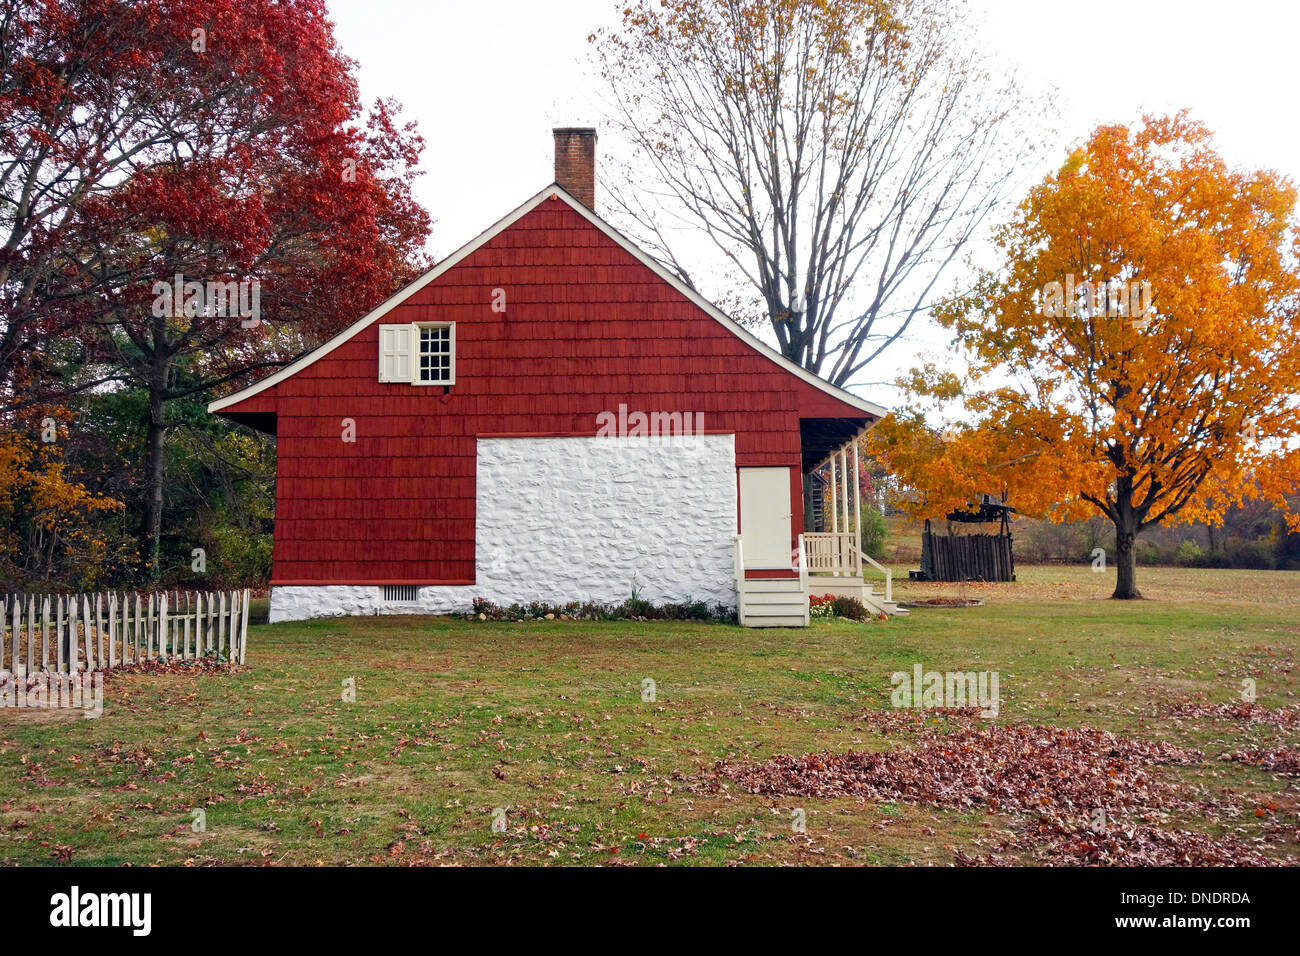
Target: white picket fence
{"points": [[72, 632]]}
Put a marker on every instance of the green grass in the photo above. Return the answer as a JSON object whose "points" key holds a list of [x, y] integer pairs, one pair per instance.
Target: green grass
{"points": [[454, 719]]}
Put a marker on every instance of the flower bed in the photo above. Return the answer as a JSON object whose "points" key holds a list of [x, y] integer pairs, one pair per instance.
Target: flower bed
{"points": [[832, 605], [633, 609]]}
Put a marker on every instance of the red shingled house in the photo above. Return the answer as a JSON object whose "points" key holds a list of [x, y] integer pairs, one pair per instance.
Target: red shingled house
{"points": [[550, 414]]}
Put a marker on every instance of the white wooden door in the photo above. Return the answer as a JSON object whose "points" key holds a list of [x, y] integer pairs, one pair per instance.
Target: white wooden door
{"points": [[765, 517]]}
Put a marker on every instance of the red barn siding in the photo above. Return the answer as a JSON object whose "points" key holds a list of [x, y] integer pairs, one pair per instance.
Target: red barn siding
{"points": [[586, 327]]}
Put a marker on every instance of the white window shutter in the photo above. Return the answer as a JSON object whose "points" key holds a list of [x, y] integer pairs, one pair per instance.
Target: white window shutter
{"points": [[396, 343]]}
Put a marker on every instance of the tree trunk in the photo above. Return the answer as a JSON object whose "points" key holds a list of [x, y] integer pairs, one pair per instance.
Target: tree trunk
{"points": [[154, 478], [1125, 562]]}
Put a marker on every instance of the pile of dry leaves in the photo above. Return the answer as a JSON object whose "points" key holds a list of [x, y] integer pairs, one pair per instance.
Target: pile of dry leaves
{"points": [[1120, 845], [1083, 796], [201, 665], [1282, 760], [1248, 713], [1056, 770]]}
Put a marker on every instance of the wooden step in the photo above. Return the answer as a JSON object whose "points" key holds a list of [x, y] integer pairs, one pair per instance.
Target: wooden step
{"points": [[792, 620], [775, 607], [779, 585], [775, 597], [876, 602]]}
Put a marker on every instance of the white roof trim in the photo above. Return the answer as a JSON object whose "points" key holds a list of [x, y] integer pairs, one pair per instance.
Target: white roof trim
{"points": [[648, 261]]}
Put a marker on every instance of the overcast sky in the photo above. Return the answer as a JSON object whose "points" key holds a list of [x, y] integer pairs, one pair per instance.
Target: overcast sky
{"points": [[487, 79]]}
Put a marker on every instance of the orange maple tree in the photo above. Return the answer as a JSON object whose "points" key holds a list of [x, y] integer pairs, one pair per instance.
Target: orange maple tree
{"points": [[1137, 353]]}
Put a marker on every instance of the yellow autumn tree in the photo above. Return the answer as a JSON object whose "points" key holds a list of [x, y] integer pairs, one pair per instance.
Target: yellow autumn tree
{"points": [[47, 520], [1136, 354]]}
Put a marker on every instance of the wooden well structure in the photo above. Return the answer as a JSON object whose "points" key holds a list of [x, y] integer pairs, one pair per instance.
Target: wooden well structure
{"points": [[978, 555]]}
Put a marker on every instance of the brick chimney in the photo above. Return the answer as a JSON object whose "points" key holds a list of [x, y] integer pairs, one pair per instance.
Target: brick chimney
{"points": [[575, 162]]}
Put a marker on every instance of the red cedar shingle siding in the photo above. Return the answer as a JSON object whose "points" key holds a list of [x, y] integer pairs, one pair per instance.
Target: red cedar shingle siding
{"points": [[586, 327]]}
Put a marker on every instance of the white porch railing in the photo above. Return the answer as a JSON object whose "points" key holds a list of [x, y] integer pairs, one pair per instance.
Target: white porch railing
{"points": [[838, 553], [832, 553]]}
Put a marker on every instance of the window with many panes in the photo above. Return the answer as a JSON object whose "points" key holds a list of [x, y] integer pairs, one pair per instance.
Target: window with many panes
{"points": [[436, 355]]}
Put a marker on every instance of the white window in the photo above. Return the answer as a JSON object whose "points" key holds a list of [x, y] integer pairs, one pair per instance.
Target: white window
{"points": [[418, 353], [436, 355]]}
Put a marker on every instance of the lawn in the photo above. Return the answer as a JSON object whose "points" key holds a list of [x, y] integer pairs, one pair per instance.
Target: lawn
{"points": [[542, 727]]}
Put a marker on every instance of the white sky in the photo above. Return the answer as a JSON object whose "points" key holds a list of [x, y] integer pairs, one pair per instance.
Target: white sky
{"points": [[487, 79]]}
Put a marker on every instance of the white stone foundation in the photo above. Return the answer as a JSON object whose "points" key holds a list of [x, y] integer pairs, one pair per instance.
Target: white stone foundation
{"points": [[578, 519]]}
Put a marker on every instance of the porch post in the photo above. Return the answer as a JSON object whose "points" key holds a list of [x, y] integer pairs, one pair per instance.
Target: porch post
{"points": [[844, 472], [857, 504], [835, 510]]}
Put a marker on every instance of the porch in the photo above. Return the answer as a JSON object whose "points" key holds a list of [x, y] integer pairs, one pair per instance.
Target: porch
{"points": [[826, 560]]}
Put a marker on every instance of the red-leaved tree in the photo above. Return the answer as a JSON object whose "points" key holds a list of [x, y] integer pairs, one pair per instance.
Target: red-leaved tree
{"points": [[219, 141]]}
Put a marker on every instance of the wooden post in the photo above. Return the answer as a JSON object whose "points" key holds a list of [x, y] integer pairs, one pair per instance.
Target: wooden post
{"points": [[243, 628], [221, 623], [835, 510], [112, 629], [86, 621], [200, 610], [17, 617], [857, 506], [210, 624], [234, 627], [99, 629], [135, 631], [74, 662], [58, 634], [31, 633], [45, 632], [844, 475], [162, 626]]}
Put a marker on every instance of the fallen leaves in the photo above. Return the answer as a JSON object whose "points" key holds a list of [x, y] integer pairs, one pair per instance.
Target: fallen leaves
{"points": [[193, 668], [1249, 713], [1058, 779], [1055, 844], [1284, 760], [1063, 770]]}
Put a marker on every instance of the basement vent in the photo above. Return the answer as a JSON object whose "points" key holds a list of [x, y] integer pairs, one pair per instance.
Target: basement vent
{"points": [[401, 593]]}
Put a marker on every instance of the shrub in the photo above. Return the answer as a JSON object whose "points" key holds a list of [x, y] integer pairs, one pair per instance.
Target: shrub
{"points": [[1148, 553], [1189, 554], [851, 608], [1255, 555], [874, 531], [239, 558], [634, 608]]}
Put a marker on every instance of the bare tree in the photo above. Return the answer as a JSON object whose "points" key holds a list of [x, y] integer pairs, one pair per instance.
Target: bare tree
{"points": [[839, 153]]}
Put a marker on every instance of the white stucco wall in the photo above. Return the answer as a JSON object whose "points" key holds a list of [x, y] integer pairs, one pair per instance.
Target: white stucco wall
{"points": [[579, 519]]}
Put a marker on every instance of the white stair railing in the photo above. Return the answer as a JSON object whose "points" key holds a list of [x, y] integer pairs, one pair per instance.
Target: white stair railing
{"points": [[889, 575], [740, 581], [803, 581]]}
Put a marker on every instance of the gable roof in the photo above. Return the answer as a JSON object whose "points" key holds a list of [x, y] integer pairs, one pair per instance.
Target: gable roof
{"points": [[552, 191]]}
